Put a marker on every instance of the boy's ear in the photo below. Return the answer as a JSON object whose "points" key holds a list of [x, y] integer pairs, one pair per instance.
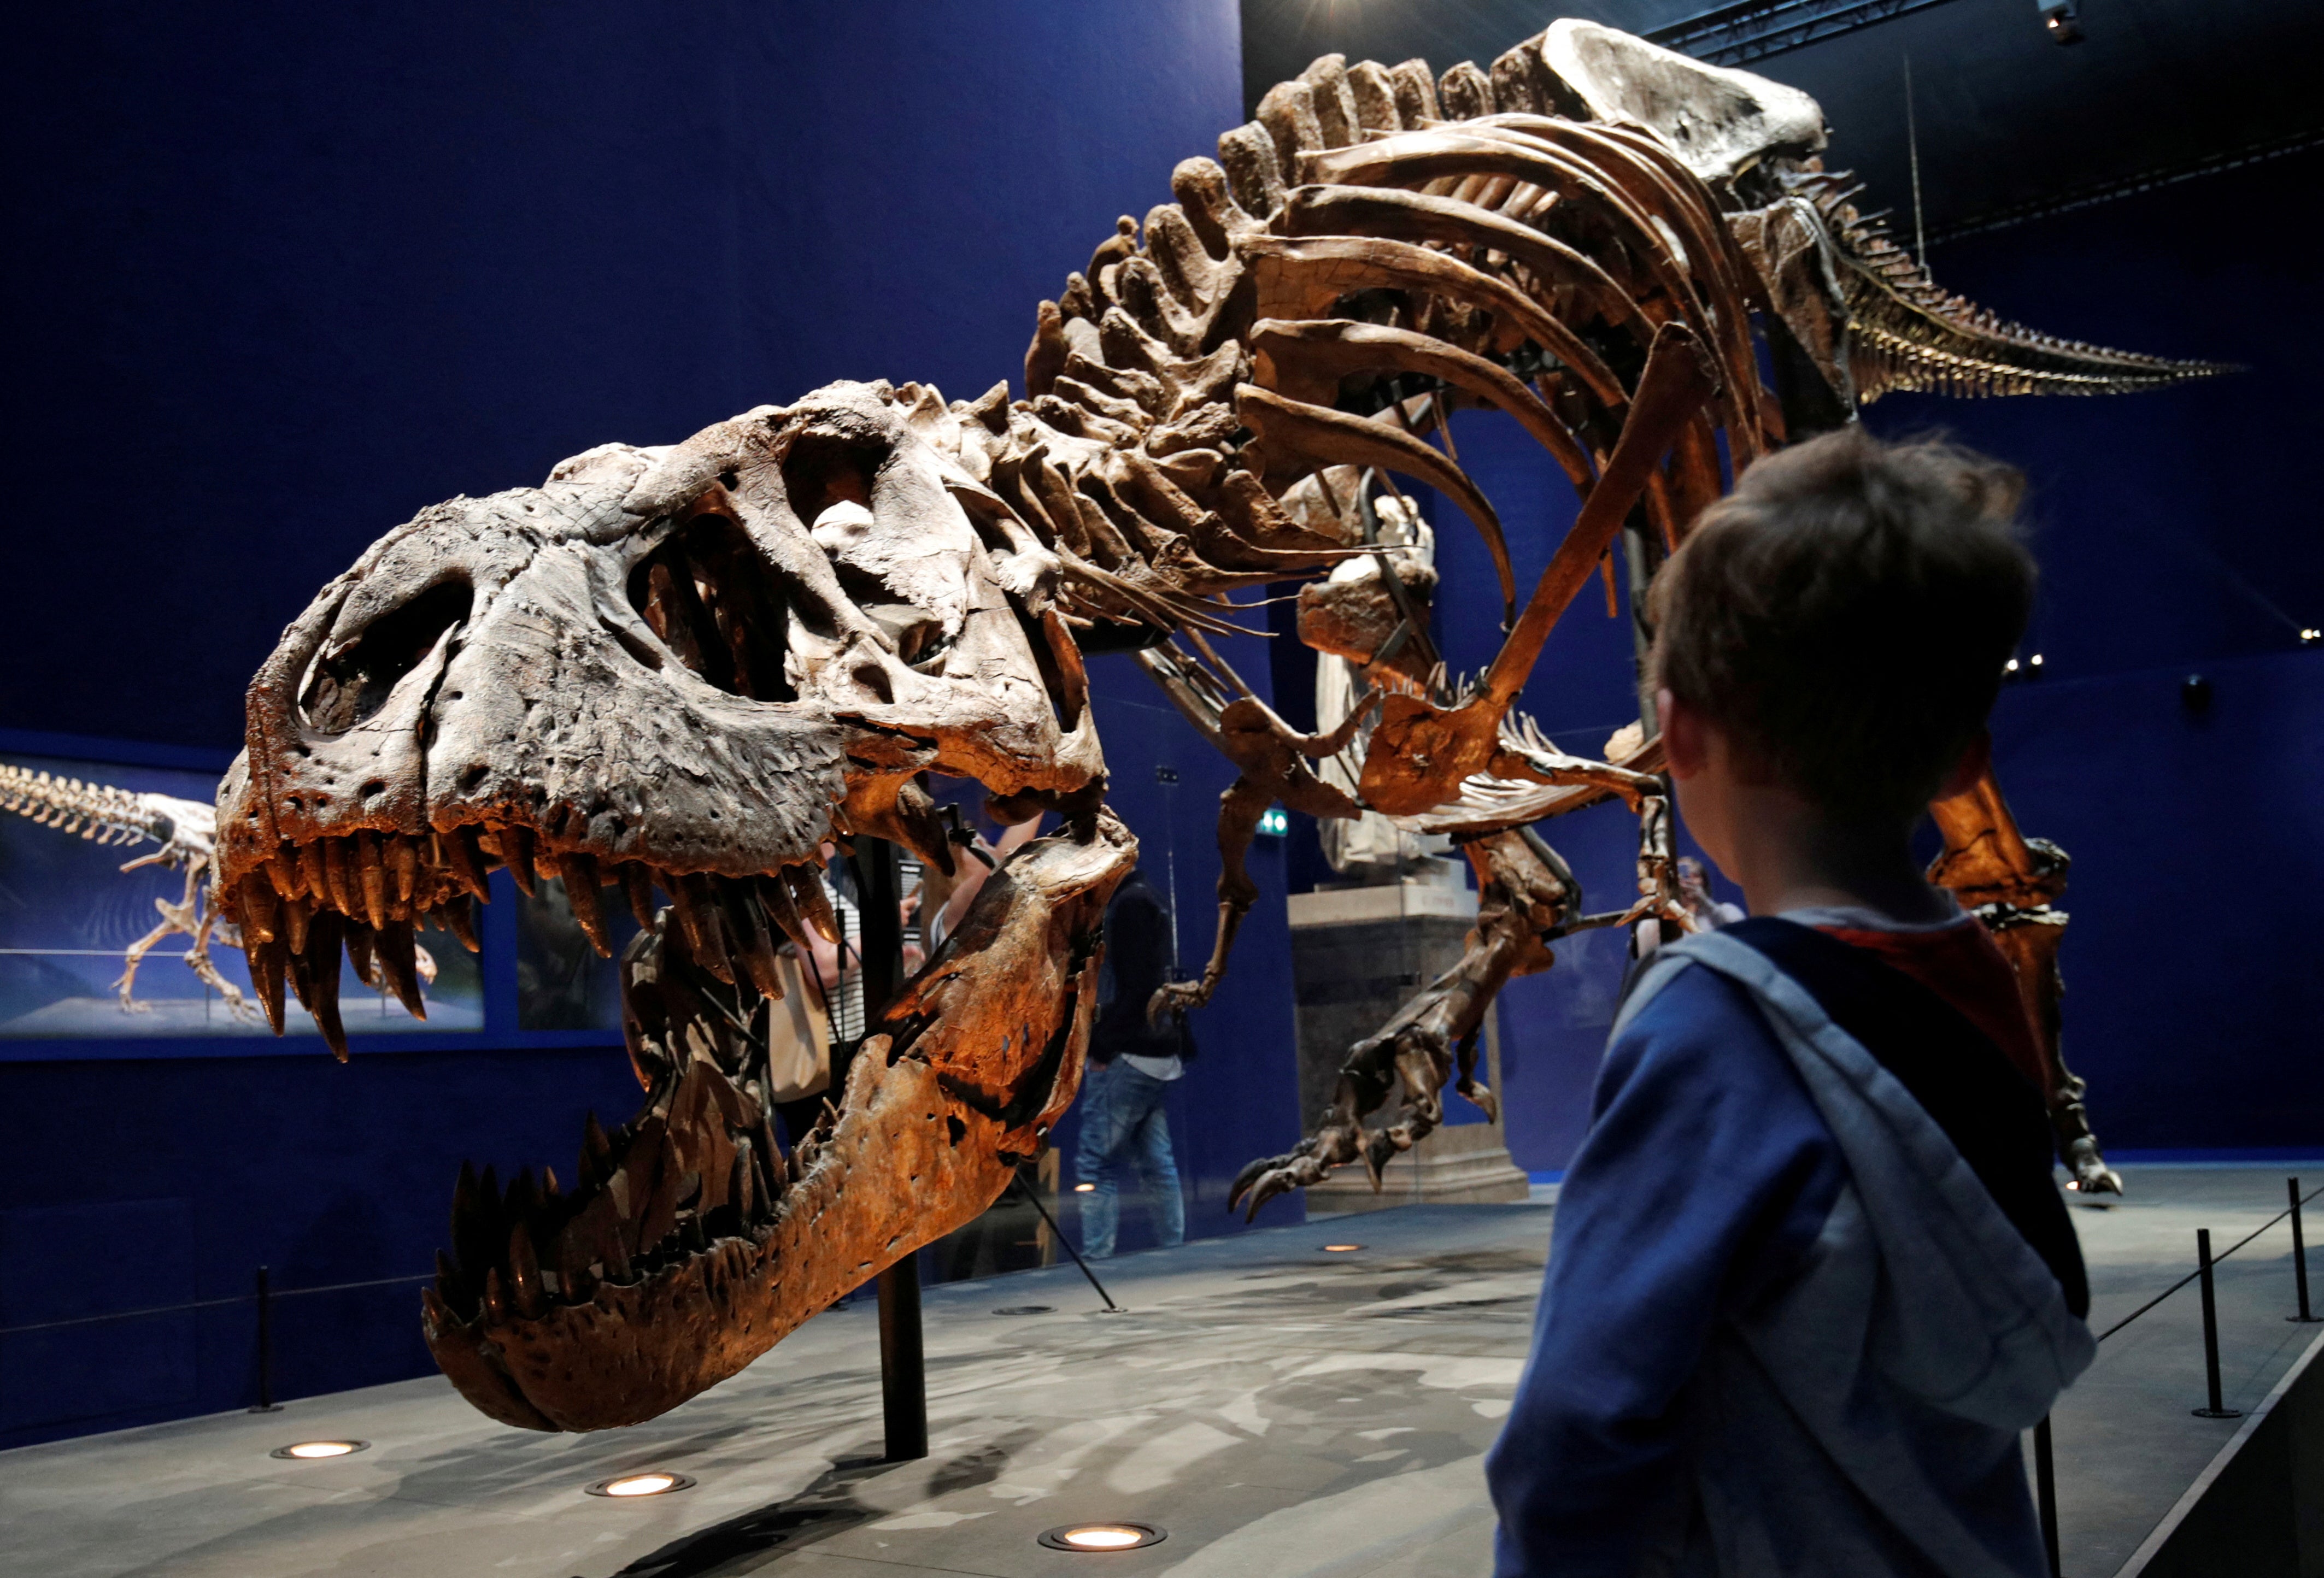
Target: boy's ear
{"points": [[1976, 760], [1686, 747]]}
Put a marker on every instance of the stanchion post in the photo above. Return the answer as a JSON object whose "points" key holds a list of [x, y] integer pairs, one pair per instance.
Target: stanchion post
{"points": [[2298, 1256], [2218, 1408], [2045, 1492], [903, 1367], [265, 1403]]}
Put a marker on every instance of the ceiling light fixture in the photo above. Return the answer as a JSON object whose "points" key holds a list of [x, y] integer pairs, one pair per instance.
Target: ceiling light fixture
{"points": [[1102, 1537], [1084, 1189], [309, 1451], [628, 1487]]}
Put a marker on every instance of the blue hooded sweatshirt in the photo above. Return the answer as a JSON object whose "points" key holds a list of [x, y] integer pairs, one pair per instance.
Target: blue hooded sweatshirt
{"points": [[1787, 1327]]}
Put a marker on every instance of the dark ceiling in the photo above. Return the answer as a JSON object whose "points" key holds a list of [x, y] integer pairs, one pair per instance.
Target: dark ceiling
{"points": [[2009, 121]]}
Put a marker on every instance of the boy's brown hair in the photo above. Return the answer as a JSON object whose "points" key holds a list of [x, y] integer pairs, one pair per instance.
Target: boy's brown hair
{"points": [[1844, 616]]}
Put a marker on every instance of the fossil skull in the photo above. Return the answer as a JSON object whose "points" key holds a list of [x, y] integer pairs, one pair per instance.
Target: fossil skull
{"points": [[688, 668]]}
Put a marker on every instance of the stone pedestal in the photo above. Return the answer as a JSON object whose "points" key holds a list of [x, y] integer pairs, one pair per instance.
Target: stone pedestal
{"points": [[1357, 954]]}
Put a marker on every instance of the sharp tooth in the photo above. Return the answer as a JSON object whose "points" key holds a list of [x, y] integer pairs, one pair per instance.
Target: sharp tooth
{"points": [[595, 1151], [362, 953], [291, 920], [516, 853], [578, 1284], [465, 860], [341, 882], [698, 916], [268, 963], [312, 873], [452, 1287], [400, 964], [403, 866], [740, 1188], [316, 972], [371, 877], [637, 887], [495, 1307], [258, 906], [282, 867], [581, 885], [548, 1190], [775, 898], [524, 1274], [754, 949], [805, 884], [459, 918]]}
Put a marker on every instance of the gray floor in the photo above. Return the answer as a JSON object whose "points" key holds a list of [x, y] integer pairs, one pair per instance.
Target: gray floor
{"points": [[1277, 1409]]}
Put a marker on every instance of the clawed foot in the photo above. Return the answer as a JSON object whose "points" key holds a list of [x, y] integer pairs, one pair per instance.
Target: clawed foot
{"points": [[1177, 997], [2092, 1176]]}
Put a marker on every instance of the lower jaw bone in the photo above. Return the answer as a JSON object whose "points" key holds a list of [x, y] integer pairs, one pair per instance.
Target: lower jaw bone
{"points": [[955, 1088]]}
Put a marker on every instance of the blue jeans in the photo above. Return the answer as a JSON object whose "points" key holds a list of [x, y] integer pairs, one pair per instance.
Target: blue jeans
{"points": [[1122, 1121]]}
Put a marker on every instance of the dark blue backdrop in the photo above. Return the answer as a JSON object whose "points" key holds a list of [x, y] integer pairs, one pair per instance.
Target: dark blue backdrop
{"points": [[281, 277]]}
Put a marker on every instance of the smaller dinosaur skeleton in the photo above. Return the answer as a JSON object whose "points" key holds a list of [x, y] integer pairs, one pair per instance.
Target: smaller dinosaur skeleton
{"points": [[186, 831]]}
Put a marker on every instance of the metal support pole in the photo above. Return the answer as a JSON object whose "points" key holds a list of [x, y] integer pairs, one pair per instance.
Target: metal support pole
{"points": [[266, 1403], [903, 1366], [2218, 1408], [2045, 1491], [1059, 1234], [2298, 1256]]}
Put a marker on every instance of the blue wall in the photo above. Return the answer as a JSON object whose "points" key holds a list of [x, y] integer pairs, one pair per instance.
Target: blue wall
{"points": [[283, 275]]}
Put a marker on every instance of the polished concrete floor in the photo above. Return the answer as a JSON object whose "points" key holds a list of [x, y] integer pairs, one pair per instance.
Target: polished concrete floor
{"points": [[1277, 1408]]}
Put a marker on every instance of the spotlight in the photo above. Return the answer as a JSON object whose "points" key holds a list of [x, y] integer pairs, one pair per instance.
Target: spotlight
{"points": [[2309, 638], [2010, 667], [1084, 1189], [308, 1451], [2064, 22], [624, 1487], [1102, 1537], [1342, 1248], [2034, 661]]}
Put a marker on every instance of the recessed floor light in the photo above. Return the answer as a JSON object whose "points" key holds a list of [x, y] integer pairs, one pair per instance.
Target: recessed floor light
{"points": [[308, 1451], [1102, 1537], [1085, 1188], [627, 1487], [1026, 1309], [1342, 1248]]}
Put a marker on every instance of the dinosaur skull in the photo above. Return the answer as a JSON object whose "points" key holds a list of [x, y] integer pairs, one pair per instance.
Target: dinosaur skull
{"points": [[688, 668]]}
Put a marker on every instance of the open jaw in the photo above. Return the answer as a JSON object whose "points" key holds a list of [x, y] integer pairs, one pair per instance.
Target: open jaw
{"points": [[688, 1242], [667, 678], [690, 1245]]}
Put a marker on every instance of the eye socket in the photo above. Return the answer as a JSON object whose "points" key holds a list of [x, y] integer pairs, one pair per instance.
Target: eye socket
{"points": [[710, 597], [349, 685]]}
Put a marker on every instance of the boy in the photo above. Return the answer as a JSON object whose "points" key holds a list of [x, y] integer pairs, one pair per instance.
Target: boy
{"points": [[1810, 1273]]}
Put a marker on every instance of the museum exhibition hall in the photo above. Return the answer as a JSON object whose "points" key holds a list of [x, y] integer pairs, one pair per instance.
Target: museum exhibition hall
{"points": [[905, 788]]}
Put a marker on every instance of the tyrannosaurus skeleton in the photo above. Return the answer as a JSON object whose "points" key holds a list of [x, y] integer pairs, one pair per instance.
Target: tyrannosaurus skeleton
{"points": [[684, 668]]}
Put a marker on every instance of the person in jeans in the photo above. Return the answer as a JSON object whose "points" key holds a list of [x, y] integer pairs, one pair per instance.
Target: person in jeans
{"points": [[1132, 1065]]}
